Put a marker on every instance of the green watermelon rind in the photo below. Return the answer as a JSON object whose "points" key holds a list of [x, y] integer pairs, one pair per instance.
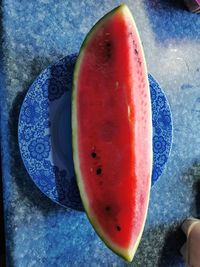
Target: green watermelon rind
{"points": [[126, 254]]}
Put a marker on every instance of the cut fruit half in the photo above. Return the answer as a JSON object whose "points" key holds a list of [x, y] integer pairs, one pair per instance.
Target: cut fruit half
{"points": [[112, 131]]}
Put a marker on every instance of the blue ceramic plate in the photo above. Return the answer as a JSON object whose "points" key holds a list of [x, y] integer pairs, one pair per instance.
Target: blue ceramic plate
{"points": [[44, 132]]}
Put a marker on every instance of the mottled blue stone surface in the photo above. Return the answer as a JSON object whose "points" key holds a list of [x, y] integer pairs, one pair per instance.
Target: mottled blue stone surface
{"points": [[38, 32]]}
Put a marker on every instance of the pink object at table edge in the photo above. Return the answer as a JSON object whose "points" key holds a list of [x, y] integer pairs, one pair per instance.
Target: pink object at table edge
{"points": [[193, 5]]}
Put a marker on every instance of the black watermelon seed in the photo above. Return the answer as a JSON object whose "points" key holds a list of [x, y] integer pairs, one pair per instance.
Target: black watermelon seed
{"points": [[108, 49], [98, 171], [93, 154], [136, 52], [118, 228], [107, 208]]}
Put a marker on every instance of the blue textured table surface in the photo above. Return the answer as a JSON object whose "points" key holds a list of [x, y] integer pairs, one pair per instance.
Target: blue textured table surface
{"points": [[38, 32]]}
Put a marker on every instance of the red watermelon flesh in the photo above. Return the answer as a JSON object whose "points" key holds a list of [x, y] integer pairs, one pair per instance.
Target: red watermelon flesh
{"points": [[112, 131]]}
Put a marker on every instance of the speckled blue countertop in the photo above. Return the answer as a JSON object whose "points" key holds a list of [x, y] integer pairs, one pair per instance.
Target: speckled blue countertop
{"points": [[38, 32]]}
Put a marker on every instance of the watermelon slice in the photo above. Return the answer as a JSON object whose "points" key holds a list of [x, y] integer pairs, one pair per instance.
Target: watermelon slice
{"points": [[112, 131]]}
